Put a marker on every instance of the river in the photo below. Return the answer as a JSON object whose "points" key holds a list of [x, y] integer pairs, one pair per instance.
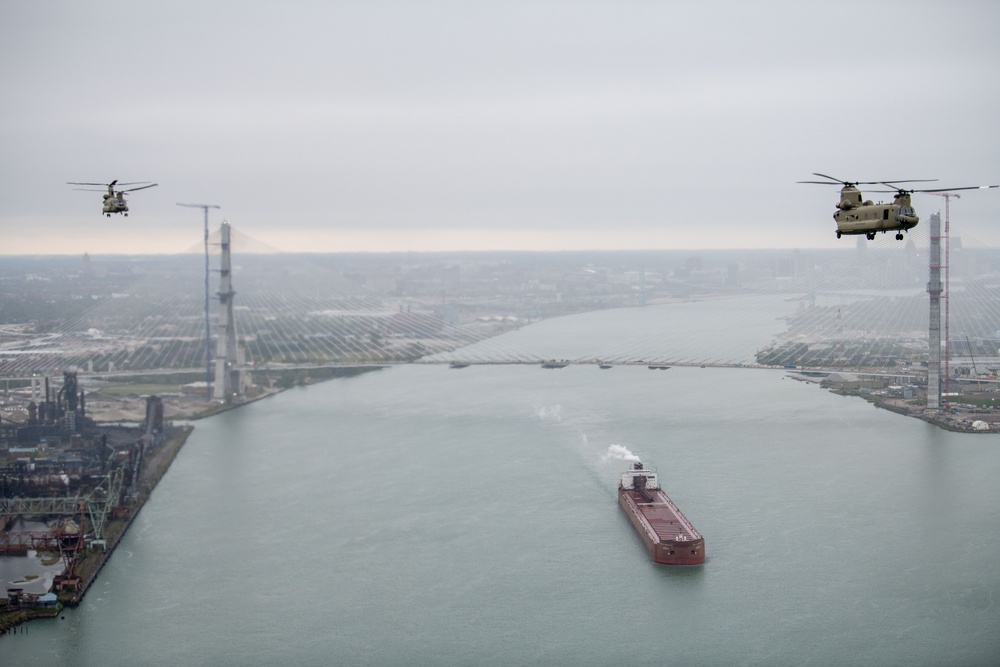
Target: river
{"points": [[421, 515]]}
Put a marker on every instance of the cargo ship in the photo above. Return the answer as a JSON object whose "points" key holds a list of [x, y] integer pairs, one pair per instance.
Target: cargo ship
{"points": [[669, 537]]}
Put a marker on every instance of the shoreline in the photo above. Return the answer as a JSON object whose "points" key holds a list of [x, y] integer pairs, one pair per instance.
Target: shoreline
{"points": [[153, 471], [941, 421], [91, 565], [154, 467]]}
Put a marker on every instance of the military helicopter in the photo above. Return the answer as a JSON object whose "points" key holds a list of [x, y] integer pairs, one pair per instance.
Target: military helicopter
{"points": [[858, 216], [114, 200]]}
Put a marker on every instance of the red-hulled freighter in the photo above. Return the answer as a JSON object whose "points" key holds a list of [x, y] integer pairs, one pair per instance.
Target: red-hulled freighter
{"points": [[669, 537]]}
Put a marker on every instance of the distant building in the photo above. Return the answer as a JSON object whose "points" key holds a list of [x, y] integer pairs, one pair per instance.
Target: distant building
{"points": [[733, 275]]}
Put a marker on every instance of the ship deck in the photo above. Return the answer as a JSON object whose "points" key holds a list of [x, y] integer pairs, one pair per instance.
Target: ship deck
{"points": [[663, 517]]}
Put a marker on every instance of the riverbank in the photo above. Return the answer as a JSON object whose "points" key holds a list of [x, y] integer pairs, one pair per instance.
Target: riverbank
{"points": [[71, 588], [154, 468], [117, 407], [130, 409], [954, 419]]}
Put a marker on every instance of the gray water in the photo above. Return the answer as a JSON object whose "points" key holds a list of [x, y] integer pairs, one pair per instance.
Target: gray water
{"points": [[421, 515]]}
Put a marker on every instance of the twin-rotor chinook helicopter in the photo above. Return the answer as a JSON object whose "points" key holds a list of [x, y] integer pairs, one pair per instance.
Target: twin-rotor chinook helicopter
{"points": [[854, 215], [858, 216], [114, 200]]}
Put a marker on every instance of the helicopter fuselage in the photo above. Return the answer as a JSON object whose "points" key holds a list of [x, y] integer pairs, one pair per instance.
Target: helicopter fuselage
{"points": [[114, 202], [857, 216]]}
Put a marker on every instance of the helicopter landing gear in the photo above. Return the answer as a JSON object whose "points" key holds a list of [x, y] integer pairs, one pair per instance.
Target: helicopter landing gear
{"points": [[899, 237], [838, 234], [870, 236]]}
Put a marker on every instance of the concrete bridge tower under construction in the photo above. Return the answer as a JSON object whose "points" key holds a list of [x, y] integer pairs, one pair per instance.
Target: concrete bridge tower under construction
{"points": [[936, 292], [231, 381]]}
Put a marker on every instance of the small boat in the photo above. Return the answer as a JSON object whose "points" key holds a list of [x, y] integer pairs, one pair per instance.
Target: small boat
{"points": [[658, 368], [605, 367], [458, 365]]}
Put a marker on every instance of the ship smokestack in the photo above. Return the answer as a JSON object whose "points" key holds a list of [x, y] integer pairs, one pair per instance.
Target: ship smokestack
{"points": [[639, 484]]}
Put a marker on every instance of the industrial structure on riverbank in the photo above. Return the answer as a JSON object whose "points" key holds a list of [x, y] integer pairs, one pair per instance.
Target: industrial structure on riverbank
{"points": [[69, 488]]}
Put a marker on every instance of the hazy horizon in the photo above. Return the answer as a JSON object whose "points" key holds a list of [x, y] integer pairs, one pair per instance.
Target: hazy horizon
{"points": [[198, 249], [441, 126]]}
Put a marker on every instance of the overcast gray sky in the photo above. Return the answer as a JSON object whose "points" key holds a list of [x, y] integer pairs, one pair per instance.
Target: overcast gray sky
{"points": [[425, 125]]}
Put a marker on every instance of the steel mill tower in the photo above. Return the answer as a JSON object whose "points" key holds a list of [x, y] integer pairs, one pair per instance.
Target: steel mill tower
{"points": [[229, 379]]}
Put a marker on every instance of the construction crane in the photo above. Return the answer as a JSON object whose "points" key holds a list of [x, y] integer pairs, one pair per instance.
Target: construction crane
{"points": [[208, 326], [971, 357]]}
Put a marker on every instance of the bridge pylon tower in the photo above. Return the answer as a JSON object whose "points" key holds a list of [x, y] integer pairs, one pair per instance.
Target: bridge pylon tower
{"points": [[229, 379], [937, 292]]}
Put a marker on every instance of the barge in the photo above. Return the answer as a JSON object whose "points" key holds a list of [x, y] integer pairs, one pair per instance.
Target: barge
{"points": [[669, 537]]}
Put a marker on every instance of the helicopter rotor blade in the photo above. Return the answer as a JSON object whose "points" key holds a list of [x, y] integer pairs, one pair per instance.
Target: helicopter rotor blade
{"points": [[899, 190], [830, 177], [971, 187], [889, 184], [837, 181], [105, 185], [151, 185], [932, 190]]}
